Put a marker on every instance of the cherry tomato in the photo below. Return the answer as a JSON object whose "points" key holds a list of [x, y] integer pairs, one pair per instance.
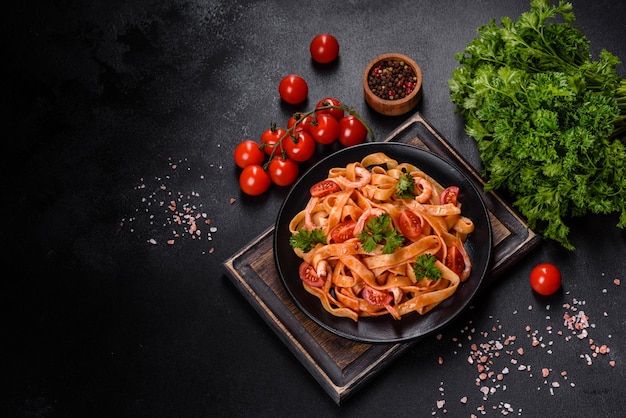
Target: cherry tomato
{"points": [[283, 171], [324, 129], [293, 89], [545, 279], [329, 101], [247, 153], [253, 180], [351, 131], [299, 147], [324, 188], [449, 195], [324, 48], [343, 231], [271, 138], [454, 260], [304, 122], [376, 297], [309, 276], [410, 224]]}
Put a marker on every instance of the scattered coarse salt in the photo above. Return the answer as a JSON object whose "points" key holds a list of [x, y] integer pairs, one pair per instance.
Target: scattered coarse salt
{"points": [[180, 209]]}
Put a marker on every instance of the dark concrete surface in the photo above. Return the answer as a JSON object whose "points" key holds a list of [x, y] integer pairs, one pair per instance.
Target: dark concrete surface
{"points": [[113, 109]]}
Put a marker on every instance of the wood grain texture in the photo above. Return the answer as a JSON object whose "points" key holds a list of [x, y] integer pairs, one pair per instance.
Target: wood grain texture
{"points": [[339, 365]]}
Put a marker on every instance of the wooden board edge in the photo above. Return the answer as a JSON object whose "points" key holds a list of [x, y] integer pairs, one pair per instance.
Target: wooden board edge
{"points": [[339, 392]]}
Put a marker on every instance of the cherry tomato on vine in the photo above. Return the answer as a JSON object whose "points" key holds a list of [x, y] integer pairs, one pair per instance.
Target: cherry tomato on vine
{"points": [[351, 131], [270, 138], [293, 89], [330, 101], [410, 224], [324, 188], [254, 180], [283, 171], [545, 279], [299, 147], [324, 129], [309, 276], [247, 153], [449, 195], [304, 122], [376, 297], [324, 48]]}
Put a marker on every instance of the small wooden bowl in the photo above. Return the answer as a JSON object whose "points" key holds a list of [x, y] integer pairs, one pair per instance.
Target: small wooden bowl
{"points": [[397, 106]]}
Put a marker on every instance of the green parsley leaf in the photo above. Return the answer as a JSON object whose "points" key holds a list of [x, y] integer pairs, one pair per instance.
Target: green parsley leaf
{"points": [[379, 230], [549, 121], [306, 240], [424, 267], [405, 186]]}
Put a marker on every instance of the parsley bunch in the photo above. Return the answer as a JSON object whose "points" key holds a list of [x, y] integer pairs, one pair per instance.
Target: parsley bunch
{"points": [[379, 230], [549, 122]]}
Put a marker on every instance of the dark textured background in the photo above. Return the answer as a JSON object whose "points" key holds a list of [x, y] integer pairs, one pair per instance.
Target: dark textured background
{"points": [[102, 98]]}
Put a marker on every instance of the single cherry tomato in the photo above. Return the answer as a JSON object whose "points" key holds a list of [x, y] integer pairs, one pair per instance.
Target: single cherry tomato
{"points": [[454, 260], [271, 138], [324, 129], [324, 48], [330, 101], [293, 89], [545, 279], [351, 131], [449, 195], [376, 297], [283, 171], [324, 188], [303, 122], [247, 153], [343, 231], [299, 147], [309, 276], [254, 181], [410, 224]]}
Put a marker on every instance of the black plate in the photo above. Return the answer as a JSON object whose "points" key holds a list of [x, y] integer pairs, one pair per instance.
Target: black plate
{"points": [[385, 329]]}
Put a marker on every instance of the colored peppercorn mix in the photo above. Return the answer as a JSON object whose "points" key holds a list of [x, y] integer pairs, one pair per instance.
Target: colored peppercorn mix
{"points": [[392, 79]]}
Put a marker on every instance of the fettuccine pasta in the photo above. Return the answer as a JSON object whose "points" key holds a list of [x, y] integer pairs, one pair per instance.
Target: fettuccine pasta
{"points": [[352, 282]]}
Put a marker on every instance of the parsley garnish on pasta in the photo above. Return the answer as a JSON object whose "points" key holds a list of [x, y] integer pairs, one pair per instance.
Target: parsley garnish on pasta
{"points": [[368, 241]]}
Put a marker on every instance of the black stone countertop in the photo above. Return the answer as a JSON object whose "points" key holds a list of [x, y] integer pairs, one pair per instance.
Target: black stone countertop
{"points": [[114, 109]]}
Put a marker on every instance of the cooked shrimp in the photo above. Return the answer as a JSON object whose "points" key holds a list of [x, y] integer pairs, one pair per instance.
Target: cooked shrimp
{"points": [[364, 175], [308, 222], [427, 190], [323, 267], [360, 224]]}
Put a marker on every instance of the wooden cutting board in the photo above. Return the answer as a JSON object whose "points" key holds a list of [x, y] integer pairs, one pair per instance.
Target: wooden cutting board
{"points": [[339, 365]]}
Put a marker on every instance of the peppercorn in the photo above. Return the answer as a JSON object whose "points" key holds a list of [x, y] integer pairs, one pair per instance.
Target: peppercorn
{"points": [[392, 79]]}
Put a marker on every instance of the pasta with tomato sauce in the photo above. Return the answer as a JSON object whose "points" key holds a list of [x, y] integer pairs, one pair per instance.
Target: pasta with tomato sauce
{"points": [[376, 222]]}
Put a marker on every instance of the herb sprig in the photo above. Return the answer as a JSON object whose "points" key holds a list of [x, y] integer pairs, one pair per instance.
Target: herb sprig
{"points": [[306, 240], [549, 122], [425, 267], [405, 186], [379, 230]]}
